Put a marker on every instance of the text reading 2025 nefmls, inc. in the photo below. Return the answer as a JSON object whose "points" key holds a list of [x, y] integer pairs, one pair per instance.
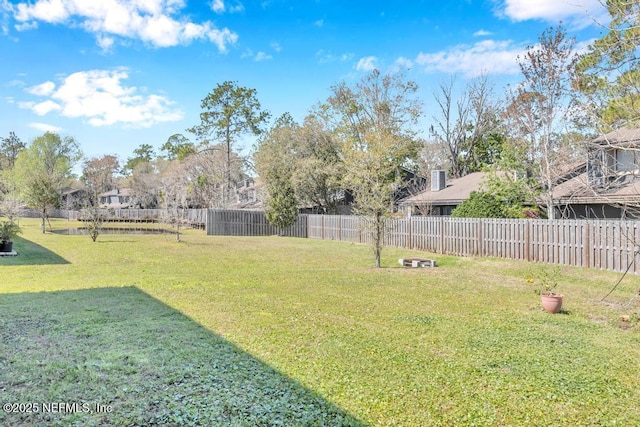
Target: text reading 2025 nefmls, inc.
{"points": [[55, 408]]}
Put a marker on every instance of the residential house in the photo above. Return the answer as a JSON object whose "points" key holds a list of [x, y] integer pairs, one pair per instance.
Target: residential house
{"points": [[119, 198], [443, 196], [249, 195], [73, 198], [607, 185]]}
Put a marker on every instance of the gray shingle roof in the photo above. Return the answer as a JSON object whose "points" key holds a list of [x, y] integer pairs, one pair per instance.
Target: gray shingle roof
{"points": [[456, 191]]}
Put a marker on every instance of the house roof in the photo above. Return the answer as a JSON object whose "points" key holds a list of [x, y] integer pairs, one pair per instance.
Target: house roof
{"points": [[626, 189], [456, 191], [118, 192], [619, 137], [578, 191]]}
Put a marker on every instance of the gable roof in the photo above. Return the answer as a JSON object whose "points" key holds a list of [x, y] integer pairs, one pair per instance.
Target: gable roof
{"points": [[456, 191], [126, 191], [624, 190], [578, 191], [619, 137]]}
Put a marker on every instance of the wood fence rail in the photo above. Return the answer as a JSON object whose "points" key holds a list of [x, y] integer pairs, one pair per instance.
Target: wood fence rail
{"points": [[600, 244]]}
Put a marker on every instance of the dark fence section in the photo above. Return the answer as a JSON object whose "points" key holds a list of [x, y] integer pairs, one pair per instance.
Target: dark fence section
{"points": [[250, 223]]}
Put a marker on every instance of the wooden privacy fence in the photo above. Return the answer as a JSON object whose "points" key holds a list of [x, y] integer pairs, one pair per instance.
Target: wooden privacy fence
{"points": [[607, 245], [249, 223]]}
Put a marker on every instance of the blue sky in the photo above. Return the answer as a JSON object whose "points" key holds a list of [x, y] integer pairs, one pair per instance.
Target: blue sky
{"points": [[115, 74]]}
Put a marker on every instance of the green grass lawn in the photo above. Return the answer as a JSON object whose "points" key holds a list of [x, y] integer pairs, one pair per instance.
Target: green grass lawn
{"points": [[283, 331]]}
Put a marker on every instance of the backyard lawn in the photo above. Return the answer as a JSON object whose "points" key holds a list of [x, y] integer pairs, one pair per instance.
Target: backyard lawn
{"points": [[141, 330]]}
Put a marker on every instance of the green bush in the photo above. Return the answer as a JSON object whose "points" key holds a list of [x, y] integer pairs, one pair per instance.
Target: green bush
{"points": [[480, 204]]}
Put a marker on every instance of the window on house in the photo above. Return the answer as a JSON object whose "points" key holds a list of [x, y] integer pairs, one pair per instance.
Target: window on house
{"points": [[626, 160]]}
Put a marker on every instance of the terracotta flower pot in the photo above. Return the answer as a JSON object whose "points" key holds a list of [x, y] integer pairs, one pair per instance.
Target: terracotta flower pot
{"points": [[551, 303]]}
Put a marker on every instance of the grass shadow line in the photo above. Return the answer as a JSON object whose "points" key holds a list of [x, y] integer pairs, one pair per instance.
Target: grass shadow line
{"points": [[149, 362], [30, 253]]}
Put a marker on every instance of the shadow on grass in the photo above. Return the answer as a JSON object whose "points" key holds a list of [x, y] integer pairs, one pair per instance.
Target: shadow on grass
{"points": [[30, 253], [146, 363]]}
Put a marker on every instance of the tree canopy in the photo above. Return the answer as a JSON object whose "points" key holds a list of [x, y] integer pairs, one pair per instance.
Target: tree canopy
{"points": [[609, 73], [375, 120], [307, 156], [229, 112], [43, 169]]}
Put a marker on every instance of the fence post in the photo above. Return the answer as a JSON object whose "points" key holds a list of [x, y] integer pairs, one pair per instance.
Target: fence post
{"points": [[442, 235], [410, 231], [479, 251], [586, 246], [527, 241], [636, 240]]}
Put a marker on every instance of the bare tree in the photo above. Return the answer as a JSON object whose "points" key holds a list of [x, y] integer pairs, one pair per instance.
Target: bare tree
{"points": [[210, 170], [98, 175], [464, 123], [539, 108], [145, 182], [174, 194]]}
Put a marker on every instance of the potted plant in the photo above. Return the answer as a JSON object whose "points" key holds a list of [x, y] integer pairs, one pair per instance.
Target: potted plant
{"points": [[8, 231], [545, 283]]}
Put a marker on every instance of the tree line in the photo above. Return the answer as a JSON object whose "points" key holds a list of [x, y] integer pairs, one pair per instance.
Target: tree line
{"points": [[364, 140]]}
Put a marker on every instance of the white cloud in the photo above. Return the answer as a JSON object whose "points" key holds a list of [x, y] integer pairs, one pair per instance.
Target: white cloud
{"points": [[367, 63], [43, 89], [43, 127], [325, 57], [261, 56], [485, 57], [53, 11], [403, 63], [156, 22], [222, 38], [100, 97], [578, 13], [482, 33], [319, 23], [44, 108], [27, 26], [276, 46], [105, 42], [218, 6], [237, 8]]}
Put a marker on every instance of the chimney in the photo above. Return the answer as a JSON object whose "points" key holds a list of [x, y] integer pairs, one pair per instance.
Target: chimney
{"points": [[438, 180]]}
